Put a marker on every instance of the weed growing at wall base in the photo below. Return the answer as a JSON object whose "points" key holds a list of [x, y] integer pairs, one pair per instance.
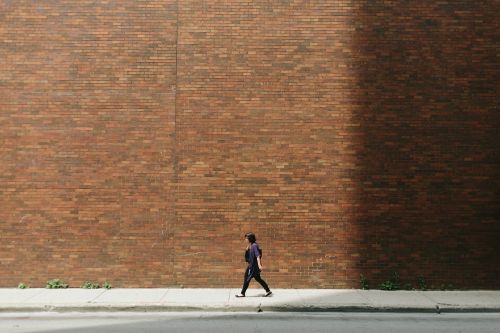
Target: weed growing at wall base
{"points": [[363, 281], [422, 285], [56, 284], [395, 283], [91, 285], [96, 285], [392, 284]]}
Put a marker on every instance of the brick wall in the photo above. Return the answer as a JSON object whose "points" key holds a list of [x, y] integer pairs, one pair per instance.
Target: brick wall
{"points": [[87, 98], [141, 139]]}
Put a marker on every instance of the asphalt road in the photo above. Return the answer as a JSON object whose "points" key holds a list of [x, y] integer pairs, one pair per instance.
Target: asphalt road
{"points": [[248, 322]]}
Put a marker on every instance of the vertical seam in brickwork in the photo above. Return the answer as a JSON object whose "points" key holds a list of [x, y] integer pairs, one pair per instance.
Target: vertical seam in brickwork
{"points": [[175, 187]]}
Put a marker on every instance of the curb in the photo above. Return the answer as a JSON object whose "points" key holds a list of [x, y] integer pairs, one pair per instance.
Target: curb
{"points": [[270, 308]]}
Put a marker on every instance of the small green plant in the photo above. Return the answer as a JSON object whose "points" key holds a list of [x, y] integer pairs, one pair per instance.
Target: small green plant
{"points": [[422, 285], [22, 286], [56, 284], [392, 284], [91, 285], [106, 285], [363, 281]]}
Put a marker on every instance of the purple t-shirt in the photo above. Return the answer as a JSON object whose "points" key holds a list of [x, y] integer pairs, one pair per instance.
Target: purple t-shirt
{"points": [[253, 254], [254, 249]]}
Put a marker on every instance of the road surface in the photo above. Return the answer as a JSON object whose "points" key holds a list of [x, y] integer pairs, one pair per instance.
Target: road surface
{"points": [[190, 322]]}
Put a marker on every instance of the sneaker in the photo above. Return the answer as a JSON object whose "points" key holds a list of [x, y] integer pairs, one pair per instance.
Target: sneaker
{"points": [[268, 293]]}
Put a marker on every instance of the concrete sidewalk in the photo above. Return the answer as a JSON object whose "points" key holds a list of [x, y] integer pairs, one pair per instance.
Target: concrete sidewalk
{"points": [[73, 299]]}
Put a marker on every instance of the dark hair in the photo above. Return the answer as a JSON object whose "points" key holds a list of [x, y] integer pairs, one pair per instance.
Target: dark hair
{"points": [[251, 237]]}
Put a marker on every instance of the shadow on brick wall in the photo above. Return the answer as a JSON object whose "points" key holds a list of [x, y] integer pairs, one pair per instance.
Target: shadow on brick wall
{"points": [[429, 155]]}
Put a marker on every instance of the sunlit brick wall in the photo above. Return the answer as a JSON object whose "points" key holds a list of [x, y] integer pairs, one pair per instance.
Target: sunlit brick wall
{"points": [[87, 100]]}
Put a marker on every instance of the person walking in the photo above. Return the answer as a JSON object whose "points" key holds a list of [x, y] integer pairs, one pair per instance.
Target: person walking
{"points": [[253, 256]]}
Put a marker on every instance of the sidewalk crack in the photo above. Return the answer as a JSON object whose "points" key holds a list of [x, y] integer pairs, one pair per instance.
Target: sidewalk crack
{"points": [[92, 300], [436, 304], [164, 295]]}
